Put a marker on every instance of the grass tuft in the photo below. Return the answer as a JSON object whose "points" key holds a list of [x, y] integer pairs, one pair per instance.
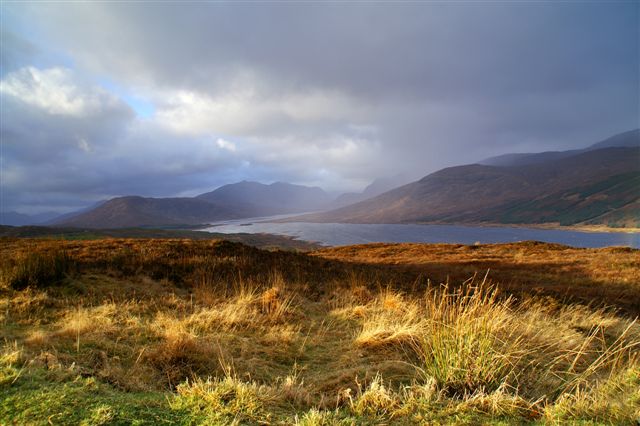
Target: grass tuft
{"points": [[144, 331], [225, 399], [40, 270]]}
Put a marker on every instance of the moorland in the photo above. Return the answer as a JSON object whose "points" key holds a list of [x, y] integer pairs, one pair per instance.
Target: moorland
{"points": [[185, 331]]}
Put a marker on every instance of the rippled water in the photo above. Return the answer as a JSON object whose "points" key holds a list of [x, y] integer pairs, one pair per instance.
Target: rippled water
{"points": [[336, 234]]}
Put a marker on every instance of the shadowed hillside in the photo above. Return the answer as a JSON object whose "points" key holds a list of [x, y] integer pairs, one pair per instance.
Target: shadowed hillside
{"points": [[255, 199], [126, 212], [491, 194], [239, 200]]}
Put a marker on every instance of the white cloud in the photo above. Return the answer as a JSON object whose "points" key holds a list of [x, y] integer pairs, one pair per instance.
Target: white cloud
{"points": [[249, 108], [56, 91], [193, 113], [224, 144], [83, 144], [282, 98]]}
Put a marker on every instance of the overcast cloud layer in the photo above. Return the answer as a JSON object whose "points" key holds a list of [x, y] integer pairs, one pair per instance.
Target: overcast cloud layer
{"points": [[164, 99]]}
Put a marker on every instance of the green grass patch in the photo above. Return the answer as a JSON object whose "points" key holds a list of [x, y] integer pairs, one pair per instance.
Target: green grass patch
{"points": [[36, 396]]}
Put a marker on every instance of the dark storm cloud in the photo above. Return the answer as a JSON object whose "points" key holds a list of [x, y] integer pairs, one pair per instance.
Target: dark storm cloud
{"points": [[406, 48], [332, 94]]}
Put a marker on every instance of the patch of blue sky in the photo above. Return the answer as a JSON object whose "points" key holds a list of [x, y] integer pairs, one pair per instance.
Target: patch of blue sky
{"points": [[142, 107]]}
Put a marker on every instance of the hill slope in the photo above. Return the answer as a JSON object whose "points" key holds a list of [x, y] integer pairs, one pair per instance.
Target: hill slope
{"points": [[235, 201], [613, 201], [252, 199], [377, 187], [135, 211], [630, 139], [480, 193]]}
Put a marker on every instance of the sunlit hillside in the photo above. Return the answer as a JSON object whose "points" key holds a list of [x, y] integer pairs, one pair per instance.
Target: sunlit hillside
{"points": [[124, 331]]}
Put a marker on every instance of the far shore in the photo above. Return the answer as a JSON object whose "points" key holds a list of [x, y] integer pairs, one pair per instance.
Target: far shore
{"points": [[550, 226]]}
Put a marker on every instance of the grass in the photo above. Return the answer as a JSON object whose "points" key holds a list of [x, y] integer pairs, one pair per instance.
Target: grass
{"points": [[265, 241], [123, 331], [40, 269]]}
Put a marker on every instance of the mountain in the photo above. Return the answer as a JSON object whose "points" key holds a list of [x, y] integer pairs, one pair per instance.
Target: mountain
{"points": [[253, 199], [235, 201], [375, 188], [614, 201], [628, 139], [596, 185], [133, 211], [65, 216], [511, 160], [21, 219]]}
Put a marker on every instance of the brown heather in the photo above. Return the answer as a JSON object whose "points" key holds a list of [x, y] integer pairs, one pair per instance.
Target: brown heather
{"points": [[371, 334]]}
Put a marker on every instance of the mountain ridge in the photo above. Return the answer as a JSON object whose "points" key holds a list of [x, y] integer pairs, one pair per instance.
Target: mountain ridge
{"points": [[234, 201], [568, 187], [256, 199], [626, 139], [475, 193]]}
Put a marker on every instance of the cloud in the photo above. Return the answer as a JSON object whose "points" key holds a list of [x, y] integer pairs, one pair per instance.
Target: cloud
{"points": [[49, 114], [71, 144], [224, 144], [55, 91], [330, 94], [249, 111]]}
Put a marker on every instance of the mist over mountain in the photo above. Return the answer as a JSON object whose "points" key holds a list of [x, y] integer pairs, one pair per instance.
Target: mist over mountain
{"points": [[597, 185], [164, 99], [628, 139], [319, 212], [233, 201], [255, 199], [20, 219], [377, 187], [134, 211]]}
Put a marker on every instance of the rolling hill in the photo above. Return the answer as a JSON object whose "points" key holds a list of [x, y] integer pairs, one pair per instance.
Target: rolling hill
{"points": [[235, 201], [132, 211]]}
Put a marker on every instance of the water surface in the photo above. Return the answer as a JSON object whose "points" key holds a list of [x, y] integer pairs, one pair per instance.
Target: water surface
{"points": [[337, 234]]}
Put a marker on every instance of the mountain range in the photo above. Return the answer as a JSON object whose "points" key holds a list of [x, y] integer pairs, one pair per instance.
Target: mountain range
{"points": [[599, 184], [233, 201], [596, 185], [253, 199]]}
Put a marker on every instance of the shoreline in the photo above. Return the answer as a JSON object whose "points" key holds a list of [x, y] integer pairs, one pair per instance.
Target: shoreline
{"points": [[545, 226]]}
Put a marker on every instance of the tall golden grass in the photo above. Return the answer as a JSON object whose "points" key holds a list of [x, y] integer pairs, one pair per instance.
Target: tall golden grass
{"points": [[238, 333]]}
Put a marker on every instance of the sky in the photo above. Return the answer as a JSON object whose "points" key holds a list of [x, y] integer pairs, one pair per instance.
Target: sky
{"points": [[103, 99]]}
